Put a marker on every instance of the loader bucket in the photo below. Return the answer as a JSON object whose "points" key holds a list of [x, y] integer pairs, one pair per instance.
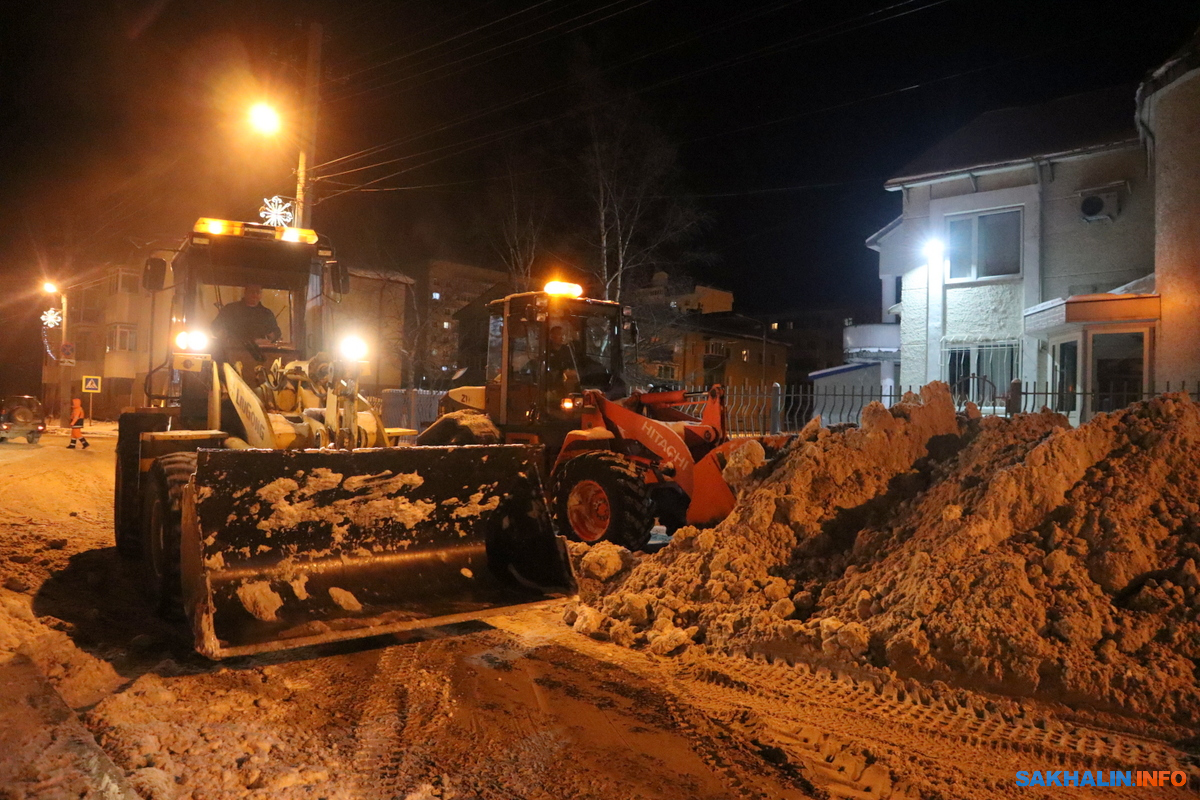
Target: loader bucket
{"points": [[284, 548]]}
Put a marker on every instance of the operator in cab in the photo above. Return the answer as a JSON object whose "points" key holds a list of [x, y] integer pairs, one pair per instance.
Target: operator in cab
{"points": [[243, 326]]}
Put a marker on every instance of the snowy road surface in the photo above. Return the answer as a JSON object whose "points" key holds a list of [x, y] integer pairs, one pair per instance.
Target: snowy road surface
{"points": [[520, 707]]}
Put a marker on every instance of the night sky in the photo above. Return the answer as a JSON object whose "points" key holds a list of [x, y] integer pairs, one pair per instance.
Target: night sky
{"points": [[122, 122]]}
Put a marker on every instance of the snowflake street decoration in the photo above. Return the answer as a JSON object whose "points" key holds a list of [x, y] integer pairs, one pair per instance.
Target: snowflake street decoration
{"points": [[51, 317], [276, 211]]}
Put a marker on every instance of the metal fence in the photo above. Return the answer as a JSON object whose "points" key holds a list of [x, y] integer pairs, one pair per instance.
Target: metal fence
{"points": [[761, 410], [758, 410], [407, 408]]}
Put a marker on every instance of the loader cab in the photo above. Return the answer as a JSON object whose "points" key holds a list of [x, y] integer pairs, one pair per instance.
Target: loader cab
{"points": [[544, 349], [210, 270], [221, 258]]}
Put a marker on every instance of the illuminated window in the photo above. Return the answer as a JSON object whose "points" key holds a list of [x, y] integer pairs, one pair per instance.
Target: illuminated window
{"points": [[984, 245], [122, 338], [446, 325], [745, 355], [437, 295], [774, 326]]}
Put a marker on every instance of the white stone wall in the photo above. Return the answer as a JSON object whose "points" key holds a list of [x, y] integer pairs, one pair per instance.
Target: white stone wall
{"points": [[984, 313], [1173, 114], [912, 329], [1081, 257]]}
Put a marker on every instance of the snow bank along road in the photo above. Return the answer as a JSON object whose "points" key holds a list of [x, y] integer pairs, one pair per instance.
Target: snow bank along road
{"points": [[522, 707]]}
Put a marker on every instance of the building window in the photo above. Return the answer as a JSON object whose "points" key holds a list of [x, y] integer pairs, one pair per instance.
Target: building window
{"points": [[981, 372], [122, 282], [714, 347], [436, 295], [122, 338], [665, 372], [774, 326], [984, 245], [745, 355], [446, 325], [86, 304]]}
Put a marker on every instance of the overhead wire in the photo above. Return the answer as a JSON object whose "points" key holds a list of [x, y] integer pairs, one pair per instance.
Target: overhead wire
{"points": [[507, 45], [471, 144], [810, 112], [367, 152], [449, 39], [408, 138]]}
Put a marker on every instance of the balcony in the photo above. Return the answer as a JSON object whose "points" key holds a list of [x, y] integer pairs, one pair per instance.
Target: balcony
{"points": [[878, 341]]}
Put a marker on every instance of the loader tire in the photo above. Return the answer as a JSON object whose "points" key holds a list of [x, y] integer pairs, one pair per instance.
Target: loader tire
{"points": [[127, 500], [460, 427], [162, 499], [602, 496]]}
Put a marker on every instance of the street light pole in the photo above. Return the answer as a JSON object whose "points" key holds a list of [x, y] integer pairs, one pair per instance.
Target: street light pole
{"points": [[308, 127]]}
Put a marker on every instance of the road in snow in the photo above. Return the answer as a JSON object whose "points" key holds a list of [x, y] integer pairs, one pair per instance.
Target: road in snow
{"points": [[520, 707]]}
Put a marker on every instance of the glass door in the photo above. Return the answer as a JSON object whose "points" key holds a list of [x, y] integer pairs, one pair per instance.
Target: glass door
{"points": [[1118, 369], [1065, 380]]}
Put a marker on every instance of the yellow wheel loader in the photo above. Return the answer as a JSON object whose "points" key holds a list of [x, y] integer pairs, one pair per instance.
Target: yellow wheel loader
{"points": [[264, 502]]}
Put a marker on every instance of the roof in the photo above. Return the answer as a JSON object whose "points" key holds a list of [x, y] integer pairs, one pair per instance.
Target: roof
{"points": [[1091, 121], [379, 275], [875, 238], [838, 370], [1183, 61]]}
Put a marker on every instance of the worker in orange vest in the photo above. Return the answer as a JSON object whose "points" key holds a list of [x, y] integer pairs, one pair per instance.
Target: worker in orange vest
{"points": [[77, 416]]}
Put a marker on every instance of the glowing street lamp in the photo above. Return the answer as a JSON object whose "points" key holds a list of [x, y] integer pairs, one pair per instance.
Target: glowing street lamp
{"points": [[50, 288], [264, 119]]}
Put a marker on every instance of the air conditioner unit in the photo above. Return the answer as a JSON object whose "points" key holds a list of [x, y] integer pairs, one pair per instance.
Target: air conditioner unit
{"points": [[1099, 206]]}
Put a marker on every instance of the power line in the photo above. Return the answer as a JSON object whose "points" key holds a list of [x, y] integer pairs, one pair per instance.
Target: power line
{"points": [[448, 40], [721, 26], [503, 46], [823, 33]]}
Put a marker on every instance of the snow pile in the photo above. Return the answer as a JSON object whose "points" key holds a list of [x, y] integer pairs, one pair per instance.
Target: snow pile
{"points": [[721, 586], [1035, 560]]}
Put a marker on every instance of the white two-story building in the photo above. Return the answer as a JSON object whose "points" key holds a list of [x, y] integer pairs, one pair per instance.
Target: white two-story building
{"points": [[1055, 245]]}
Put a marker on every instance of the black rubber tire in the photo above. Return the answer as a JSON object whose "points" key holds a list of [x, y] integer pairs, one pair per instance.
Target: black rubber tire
{"points": [[127, 500], [162, 531], [33, 438], [460, 427], [20, 414], [630, 514]]}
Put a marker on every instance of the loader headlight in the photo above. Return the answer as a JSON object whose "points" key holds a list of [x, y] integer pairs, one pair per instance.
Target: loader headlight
{"points": [[353, 348], [572, 402], [195, 341]]}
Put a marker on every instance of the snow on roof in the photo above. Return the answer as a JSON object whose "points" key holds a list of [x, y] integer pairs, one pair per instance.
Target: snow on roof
{"points": [[838, 370], [1089, 121]]}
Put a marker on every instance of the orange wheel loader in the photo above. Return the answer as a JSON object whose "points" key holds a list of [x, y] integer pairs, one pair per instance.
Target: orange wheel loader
{"points": [[617, 461]]}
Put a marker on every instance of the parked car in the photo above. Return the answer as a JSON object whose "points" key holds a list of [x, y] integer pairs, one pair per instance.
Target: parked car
{"points": [[22, 415]]}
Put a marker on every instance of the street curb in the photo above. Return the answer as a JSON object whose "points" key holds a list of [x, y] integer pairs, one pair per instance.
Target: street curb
{"points": [[30, 702]]}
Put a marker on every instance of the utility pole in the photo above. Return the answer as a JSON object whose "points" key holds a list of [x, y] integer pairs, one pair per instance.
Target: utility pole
{"points": [[308, 127]]}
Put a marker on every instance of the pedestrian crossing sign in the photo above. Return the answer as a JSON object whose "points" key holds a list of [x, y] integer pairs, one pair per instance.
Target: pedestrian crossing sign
{"points": [[91, 383]]}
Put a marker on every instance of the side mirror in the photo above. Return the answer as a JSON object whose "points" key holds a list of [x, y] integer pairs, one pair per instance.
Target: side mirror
{"points": [[154, 274], [340, 277]]}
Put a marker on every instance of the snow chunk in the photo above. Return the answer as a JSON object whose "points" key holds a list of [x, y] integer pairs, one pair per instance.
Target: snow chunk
{"points": [[346, 600], [260, 600]]}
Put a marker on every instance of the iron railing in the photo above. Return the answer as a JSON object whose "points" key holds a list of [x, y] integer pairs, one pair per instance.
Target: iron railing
{"points": [[759, 410], [756, 410]]}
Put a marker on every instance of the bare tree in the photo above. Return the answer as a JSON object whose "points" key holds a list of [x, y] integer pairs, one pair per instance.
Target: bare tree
{"points": [[522, 212], [631, 171]]}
